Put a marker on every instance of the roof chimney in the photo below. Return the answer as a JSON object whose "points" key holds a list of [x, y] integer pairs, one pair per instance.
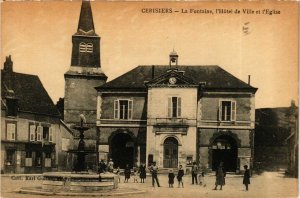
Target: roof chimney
{"points": [[8, 64], [249, 77], [152, 74]]}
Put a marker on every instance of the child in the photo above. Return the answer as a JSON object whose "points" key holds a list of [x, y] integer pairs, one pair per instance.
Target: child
{"points": [[118, 173], [180, 175], [201, 178], [171, 178], [127, 173], [135, 175], [246, 178]]}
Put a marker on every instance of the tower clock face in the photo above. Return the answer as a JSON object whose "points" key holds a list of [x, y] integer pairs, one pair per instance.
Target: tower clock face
{"points": [[172, 80]]}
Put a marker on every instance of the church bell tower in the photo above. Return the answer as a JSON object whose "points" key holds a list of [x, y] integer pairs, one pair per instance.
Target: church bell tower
{"points": [[85, 72]]}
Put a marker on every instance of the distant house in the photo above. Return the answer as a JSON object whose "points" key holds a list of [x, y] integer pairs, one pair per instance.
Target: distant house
{"points": [[32, 133], [293, 140], [272, 129]]}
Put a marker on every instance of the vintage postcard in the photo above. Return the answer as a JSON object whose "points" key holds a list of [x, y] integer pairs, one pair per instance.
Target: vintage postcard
{"points": [[149, 98]]}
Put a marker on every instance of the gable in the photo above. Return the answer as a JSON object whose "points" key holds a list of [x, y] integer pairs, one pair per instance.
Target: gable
{"points": [[172, 78]]}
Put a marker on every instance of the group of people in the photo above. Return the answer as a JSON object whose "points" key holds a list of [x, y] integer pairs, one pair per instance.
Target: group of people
{"points": [[220, 177], [197, 174], [137, 172]]}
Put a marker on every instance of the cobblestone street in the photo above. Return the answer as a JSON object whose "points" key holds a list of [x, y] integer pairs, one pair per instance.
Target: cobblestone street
{"points": [[269, 184]]}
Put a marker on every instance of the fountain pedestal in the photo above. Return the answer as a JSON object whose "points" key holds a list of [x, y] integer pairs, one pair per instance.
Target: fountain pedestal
{"points": [[80, 180]]}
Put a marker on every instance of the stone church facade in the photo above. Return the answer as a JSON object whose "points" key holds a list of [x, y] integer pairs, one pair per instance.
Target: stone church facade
{"points": [[171, 114]]}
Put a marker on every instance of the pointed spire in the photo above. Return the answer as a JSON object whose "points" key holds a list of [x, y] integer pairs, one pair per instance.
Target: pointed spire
{"points": [[86, 23]]}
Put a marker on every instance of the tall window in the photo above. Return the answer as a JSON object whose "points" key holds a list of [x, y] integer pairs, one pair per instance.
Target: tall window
{"points": [[11, 131], [45, 133], [123, 109], [174, 107], [39, 133], [227, 110], [85, 47]]}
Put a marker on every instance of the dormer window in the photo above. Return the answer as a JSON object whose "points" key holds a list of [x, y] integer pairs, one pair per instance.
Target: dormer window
{"points": [[12, 107], [85, 47]]}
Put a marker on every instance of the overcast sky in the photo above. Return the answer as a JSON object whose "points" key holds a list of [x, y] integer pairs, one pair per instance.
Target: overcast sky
{"points": [[38, 36]]}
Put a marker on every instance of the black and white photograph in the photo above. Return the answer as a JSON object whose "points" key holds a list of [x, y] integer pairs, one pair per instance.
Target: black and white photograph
{"points": [[149, 99]]}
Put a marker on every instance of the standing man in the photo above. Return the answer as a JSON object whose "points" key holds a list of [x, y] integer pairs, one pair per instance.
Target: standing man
{"points": [[154, 170], [246, 179], [194, 173]]}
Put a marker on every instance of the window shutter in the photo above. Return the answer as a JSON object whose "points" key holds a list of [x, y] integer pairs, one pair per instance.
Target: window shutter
{"points": [[233, 110], [170, 107], [220, 110], [82, 47], [130, 107], [32, 132], [116, 109], [89, 48], [178, 107], [39, 133], [50, 134], [8, 131]]}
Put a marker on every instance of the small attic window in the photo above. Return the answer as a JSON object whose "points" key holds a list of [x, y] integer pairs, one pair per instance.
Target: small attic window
{"points": [[85, 47], [12, 107]]}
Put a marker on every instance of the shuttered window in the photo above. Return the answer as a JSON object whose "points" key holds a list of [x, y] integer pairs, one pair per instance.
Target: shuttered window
{"points": [[123, 109], [227, 110], [174, 107], [11, 131]]}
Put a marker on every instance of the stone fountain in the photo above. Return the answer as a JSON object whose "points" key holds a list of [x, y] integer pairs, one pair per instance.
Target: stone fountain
{"points": [[80, 181]]}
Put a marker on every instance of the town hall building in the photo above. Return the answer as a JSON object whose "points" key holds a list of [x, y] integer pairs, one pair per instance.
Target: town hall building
{"points": [[169, 114], [177, 114]]}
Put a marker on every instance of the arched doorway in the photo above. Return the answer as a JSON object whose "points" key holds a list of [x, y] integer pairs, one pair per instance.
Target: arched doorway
{"points": [[170, 153], [224, 149], [122, 150]]}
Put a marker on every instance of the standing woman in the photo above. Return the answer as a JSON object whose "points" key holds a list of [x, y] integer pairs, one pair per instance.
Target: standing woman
{"points": [[180, 175], [142, 173], [220, 177], [127, 173], [246, 179]]}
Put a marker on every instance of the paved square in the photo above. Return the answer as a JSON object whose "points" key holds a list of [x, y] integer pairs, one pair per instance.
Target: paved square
{"points": [[269, 184]]}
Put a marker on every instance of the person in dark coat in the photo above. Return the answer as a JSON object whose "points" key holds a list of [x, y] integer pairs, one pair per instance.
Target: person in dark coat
{"points": [[246, 179], [127, 173], [154, 170], [171, 177], [220, 177], [180, 175], [142, 172], [102, 167], [194, 173]]}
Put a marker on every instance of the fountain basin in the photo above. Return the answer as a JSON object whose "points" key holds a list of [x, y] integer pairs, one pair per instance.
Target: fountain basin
{"points": [[80, 181]]}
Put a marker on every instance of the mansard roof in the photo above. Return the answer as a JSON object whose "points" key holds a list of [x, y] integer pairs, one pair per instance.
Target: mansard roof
{"points": [[214, 77], [30, 92]]}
